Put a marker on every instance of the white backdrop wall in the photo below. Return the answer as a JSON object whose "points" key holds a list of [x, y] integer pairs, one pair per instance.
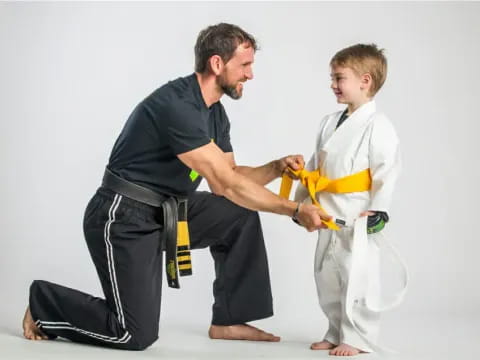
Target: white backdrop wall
{"points": [[70, 73]]}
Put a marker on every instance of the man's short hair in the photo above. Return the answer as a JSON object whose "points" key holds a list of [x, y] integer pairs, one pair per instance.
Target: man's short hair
{"points": [[222, 40], [364, 58]]}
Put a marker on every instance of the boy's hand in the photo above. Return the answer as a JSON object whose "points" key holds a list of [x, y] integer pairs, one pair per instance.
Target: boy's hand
{"points": [[296, 162], [367, 213]]}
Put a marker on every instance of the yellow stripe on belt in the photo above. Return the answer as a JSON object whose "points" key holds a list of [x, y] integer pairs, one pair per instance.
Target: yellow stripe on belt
{"points": [[183, 241], [314, 182]]}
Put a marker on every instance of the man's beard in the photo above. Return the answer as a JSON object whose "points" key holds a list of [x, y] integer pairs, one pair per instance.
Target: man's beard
{"points": [[229, 89]]}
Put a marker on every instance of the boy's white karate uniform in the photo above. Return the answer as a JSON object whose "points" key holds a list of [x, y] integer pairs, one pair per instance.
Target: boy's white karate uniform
{"points": [[347, 261]]}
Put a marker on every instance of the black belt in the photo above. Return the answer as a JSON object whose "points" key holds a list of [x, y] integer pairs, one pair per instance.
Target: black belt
{"points": [[175, 232]]}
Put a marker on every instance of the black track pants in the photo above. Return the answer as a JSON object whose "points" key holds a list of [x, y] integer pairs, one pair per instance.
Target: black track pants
{"points": [[123, 237]]}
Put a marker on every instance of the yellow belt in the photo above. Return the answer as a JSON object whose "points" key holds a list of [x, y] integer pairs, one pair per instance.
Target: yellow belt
{"points": [[314, 182]]}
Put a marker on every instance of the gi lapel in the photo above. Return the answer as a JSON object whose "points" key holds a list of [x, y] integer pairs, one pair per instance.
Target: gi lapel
{"points": [[356, 121]]}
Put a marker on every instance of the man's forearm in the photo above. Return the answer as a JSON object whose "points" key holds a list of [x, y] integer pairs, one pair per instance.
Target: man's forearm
{"points": [[262, 175], [245, 192]]}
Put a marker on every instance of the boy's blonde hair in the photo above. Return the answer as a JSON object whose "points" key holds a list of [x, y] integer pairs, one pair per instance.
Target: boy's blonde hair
{"points": [[364, 58]]}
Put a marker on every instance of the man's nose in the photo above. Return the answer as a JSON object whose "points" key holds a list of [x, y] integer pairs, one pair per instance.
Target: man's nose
{"points": [[249, 75]]}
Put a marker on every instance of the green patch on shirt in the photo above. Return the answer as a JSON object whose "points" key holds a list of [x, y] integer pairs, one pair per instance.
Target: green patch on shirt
{"points": [[193, 175]]}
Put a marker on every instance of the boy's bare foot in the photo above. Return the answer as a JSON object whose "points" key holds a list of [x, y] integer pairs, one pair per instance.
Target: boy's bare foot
{"points": [[30, 330], [345, 350], [240, 332], [322, 345]]}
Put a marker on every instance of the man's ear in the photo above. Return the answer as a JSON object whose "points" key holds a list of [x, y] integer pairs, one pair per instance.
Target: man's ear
{"points": [[216, 64]]}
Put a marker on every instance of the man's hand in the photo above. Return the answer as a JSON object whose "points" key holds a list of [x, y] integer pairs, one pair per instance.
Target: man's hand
{"points": [[296, 162], [310, 217]]}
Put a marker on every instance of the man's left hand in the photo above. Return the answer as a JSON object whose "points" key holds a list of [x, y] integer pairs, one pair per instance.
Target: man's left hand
{"points": [[295, 162]]}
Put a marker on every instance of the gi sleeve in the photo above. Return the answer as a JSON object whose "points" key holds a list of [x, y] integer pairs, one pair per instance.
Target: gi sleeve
{"points": [[385, 163]]}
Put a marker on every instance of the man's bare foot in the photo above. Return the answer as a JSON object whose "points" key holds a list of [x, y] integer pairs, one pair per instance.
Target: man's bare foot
{"points": [[322, 345], [345, 350], [30, 330], [240, 332]]}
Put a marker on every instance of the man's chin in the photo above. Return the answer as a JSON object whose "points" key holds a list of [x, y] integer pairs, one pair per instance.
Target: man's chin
{"points": [[233, 93]]}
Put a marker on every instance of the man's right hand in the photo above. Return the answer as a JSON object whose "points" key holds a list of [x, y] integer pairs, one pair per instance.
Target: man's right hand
{"points": [[310, 217]]}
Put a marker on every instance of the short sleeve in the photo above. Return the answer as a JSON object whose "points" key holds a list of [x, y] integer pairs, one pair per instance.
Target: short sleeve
{"points": [[186, 127], [223, 141]]}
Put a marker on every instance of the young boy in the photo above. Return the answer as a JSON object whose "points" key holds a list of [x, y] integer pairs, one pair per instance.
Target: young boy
{"points": [[361, 143]]}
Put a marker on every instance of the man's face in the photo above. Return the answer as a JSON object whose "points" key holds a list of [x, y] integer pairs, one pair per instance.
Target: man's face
{"points": [[236, 71], [346, 85]]}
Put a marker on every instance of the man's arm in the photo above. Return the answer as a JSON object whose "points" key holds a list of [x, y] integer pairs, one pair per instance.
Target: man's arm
{"points": [[210, 162], [262, 175]]}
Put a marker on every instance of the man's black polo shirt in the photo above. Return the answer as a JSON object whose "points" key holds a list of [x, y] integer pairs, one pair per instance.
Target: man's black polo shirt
{"points": [[172, 120]]}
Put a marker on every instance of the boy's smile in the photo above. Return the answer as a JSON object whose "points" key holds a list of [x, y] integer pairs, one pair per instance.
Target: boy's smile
{"points": [[348, 87]]}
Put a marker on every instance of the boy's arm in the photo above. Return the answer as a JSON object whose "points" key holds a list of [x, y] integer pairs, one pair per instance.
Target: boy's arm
{"points": [[384, 158]]}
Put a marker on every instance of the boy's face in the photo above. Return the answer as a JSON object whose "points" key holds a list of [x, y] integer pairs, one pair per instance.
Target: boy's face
{"points": [[348, 87]]}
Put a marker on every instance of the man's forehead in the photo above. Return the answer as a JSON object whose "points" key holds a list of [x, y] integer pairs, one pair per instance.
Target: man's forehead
{"points": [[245, 52]]}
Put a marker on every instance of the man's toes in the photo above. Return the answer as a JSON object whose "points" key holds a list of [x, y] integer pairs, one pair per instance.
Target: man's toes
{"points": [[28, 334], [264, 336], [274, 338]]}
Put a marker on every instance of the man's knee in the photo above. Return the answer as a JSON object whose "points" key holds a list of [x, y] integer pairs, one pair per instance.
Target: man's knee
{"points": [[251, 218], [244, 215], [140, 341]]}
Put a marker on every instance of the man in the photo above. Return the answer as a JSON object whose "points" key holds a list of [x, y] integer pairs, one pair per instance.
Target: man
{"points": [[173, 138]]}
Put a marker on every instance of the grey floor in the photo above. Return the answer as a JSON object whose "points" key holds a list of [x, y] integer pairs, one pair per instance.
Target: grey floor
{"points": [[414, 338]]}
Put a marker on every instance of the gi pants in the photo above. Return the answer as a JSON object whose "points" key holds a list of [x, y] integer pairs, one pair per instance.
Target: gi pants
{"points": [[332, 271], [123, 237]]}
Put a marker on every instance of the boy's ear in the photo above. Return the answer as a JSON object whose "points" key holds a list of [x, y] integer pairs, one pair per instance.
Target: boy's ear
{"points": [[366, 81]]}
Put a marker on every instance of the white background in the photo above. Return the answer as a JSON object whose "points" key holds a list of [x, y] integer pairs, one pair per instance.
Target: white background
{"points": [[70, 73]]}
